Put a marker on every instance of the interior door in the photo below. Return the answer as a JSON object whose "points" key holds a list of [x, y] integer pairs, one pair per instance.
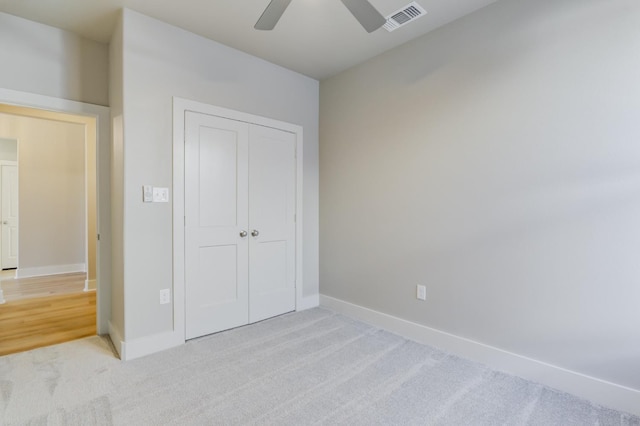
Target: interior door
{"points": [[9, 208], [272, 206], [216, 205]]}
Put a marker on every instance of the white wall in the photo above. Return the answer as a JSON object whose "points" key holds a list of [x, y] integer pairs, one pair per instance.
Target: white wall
{"points": [[496, 161], [37, 58], [51, 176], [162, 61]]}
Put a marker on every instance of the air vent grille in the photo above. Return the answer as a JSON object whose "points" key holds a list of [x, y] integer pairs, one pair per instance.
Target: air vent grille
{"points": [[403, 16]]}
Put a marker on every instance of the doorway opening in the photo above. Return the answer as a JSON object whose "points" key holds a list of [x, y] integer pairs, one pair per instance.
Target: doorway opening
{"points": [[48, 228]]}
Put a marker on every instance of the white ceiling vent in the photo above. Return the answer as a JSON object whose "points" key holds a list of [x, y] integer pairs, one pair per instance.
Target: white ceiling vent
{"points": [[403, 16]]}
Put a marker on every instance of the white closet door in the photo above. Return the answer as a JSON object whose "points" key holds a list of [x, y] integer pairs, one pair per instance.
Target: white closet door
{"points": [[272, 205], [216, 204]]}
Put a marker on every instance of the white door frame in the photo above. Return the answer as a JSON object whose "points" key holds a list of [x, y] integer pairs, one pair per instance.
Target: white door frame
{"points": [[180, 107], [7, 163], [102, 115]]}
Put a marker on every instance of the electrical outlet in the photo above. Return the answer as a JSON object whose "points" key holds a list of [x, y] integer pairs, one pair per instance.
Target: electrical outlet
{"points": [[160, 195], [421, 292], [165, 296]]}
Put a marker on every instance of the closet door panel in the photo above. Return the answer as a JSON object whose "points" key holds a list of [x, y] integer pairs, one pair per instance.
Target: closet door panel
{"points": [[272, 204], [216, 204]]}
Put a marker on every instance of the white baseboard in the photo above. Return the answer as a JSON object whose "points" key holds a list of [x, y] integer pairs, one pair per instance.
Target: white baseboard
{"points": [[89, 285], [2, 297], [50, 270], [308, 302], [599, 391], [137, 348], [116, 339]]}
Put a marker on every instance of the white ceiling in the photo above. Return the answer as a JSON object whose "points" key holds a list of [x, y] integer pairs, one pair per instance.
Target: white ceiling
{"points": [[318, 38]]}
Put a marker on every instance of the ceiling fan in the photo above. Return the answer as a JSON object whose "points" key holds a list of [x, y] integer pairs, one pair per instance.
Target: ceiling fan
{"points": [[362, 10]]}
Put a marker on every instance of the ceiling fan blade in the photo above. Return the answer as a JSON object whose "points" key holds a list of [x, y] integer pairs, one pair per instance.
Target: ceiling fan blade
{"points": [[366, 14], [271, 15]]}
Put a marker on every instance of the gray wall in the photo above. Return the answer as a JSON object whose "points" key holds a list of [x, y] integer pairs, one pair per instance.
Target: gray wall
{"points": [[116, 71], [48, 61], [162, 61], [495, 161]]}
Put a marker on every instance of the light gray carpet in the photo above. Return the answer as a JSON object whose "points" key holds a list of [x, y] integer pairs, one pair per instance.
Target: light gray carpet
{"points": [[312, 367]]}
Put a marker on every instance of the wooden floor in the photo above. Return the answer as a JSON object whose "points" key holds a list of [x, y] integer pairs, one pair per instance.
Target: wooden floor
{"points": [[28, 320], [51, 285]]}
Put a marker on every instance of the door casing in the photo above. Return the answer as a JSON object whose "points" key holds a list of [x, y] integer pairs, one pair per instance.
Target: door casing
{"points": [[98, 127], [4, 230]]}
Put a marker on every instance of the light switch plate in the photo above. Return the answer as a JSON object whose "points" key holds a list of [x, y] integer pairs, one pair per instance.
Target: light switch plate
{"points": [[160, 195], [147, 194]]}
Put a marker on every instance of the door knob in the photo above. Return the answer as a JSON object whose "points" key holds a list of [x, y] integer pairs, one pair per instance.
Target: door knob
{"points": [[243, 234], [255, 233], [5, 222]]}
